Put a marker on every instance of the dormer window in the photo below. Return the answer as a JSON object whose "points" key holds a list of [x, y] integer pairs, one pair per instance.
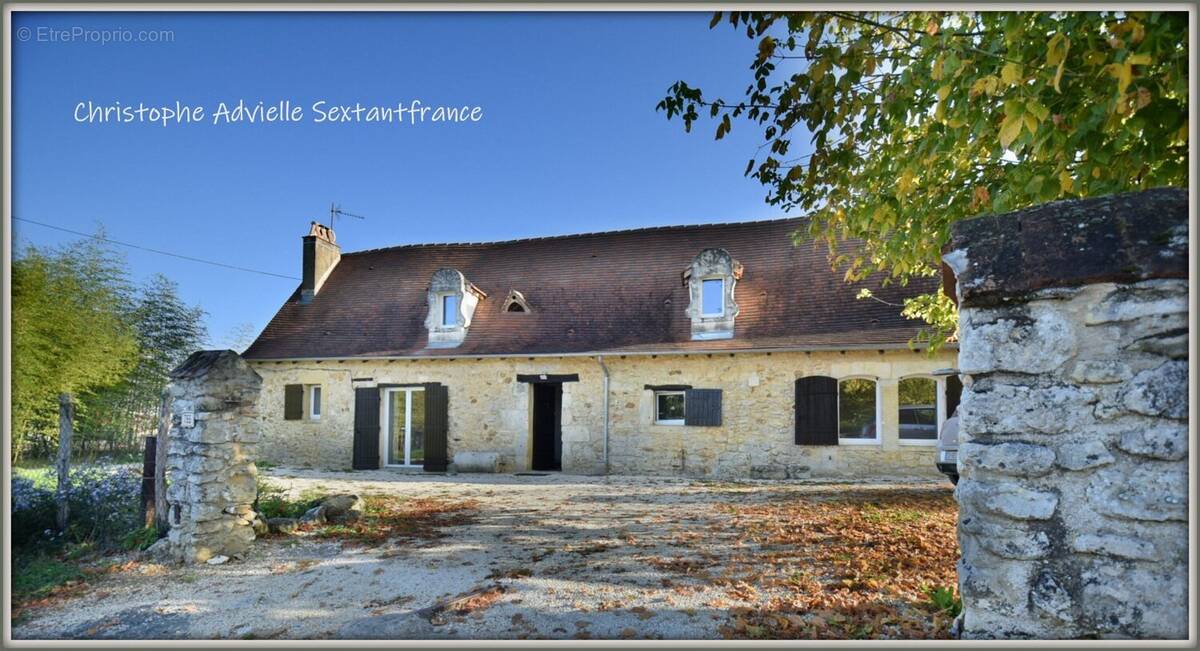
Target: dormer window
{"points": [[711, 279], [452, 300], [515, 303], [713, 297]]}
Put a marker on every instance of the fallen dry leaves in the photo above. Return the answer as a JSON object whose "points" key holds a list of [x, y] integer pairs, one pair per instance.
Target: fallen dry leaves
{"points": [[55, 596], [511, 573], [845, 564], [78, 588], [684, 565], [388, 517], [470, 602]]}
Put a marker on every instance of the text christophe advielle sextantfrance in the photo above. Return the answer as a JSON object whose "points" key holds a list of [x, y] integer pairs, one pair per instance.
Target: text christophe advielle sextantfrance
{"points": [[279, 112]]}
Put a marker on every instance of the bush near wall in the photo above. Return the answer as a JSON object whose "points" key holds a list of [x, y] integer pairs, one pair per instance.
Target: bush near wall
{"points": [[104, 501]]}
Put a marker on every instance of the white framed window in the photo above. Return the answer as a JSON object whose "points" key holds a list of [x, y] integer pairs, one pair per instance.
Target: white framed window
{"points": [[858, 411], [712, 297], [668, 407], [450, 310], [314, 402]]}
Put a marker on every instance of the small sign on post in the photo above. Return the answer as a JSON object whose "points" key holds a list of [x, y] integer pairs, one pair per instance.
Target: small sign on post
{"points": [[187, 417]]}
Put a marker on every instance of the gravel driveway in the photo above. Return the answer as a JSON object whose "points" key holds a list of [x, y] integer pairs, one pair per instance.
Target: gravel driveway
{"points": [[554, 556]]}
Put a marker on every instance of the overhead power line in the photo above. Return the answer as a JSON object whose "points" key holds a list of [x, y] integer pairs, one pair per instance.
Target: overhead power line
{"points": [[158, 251]]}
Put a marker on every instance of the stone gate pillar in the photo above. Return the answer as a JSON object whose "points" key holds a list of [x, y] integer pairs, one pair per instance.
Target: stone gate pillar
{"points": [[210, 460], [1073, 330]]}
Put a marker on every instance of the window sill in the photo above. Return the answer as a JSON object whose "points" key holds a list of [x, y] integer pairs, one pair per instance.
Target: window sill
{"points": [[669, 423], [920, 443], [443, 344], [859, 442]]}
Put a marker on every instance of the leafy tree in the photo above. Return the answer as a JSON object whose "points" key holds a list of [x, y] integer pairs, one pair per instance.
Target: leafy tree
{"points": [[69, 333], [168, 330], [918, 119]]}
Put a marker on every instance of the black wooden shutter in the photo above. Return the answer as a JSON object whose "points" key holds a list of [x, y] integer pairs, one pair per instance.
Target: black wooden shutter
{"points": [[558, 426], [293, 401], [437, 427], [816, 411], [366, 429], [702, 407]]}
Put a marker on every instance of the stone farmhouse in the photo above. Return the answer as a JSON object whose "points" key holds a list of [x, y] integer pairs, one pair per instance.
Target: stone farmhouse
{"points": [[719, 350]]}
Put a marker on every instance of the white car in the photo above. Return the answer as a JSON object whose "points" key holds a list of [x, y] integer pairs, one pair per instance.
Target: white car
{"points": [[947, 448]]}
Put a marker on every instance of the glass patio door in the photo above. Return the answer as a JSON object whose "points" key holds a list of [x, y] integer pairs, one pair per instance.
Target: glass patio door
{"points": [[405, 426]]}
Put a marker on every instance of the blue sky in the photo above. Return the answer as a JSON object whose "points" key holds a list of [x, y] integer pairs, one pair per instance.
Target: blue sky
{"points": [[569, 140]]}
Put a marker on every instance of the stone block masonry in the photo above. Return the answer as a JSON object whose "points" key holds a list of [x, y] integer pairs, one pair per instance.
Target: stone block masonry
{"points": [[210, 459], [490, 413], [1074, 419]]}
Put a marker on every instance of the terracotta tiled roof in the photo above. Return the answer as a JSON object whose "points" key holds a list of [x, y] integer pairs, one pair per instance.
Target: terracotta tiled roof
{"points": [[619, 291]]}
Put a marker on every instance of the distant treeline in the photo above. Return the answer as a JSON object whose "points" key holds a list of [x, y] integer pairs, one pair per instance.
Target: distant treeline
{"points": [[80, 325]]}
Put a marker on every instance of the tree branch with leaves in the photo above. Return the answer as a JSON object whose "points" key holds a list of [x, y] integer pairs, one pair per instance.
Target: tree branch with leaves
{"points": [[914, 120]]}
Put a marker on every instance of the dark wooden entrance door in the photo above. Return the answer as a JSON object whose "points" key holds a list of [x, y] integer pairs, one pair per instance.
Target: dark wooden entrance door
{"points": [[547, 426]]}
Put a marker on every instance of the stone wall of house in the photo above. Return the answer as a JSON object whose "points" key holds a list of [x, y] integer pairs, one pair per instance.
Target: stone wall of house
{"points": [[210, 464], [1074, 420], [490, 412]]}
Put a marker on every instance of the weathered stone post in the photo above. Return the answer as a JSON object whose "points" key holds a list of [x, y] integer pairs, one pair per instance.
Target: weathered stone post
{"points": [[1074, 419], [66, 417], [213, 437]]}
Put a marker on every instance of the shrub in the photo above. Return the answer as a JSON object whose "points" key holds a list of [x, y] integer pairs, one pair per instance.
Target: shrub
{"points": [[273, 502], [104, 504], [33, 510], [140, 539], [944, 600]]}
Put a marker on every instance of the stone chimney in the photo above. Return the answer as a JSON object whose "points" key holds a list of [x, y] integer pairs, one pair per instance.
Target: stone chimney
{"points": [[321, 255]]}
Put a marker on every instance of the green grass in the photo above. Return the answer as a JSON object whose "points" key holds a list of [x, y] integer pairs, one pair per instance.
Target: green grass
{"points": [[273, 501], [140, 538], [75, 551], [27, 463], [41, 471], [944, 600], [35, 576], [36, 463], [41, 476]]}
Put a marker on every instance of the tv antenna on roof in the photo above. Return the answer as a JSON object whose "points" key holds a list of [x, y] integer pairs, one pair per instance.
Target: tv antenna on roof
{"points": [[336, 211]]}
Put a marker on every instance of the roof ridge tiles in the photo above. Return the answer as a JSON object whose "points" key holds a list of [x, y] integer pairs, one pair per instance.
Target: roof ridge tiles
{"points": [[543, 238]]}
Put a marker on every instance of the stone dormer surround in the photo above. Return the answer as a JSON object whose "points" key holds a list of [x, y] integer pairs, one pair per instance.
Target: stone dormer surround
{"points": [[515, 303], [447, 282], [710, 264]]}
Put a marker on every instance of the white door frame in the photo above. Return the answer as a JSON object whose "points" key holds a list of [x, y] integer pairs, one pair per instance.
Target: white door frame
{"points": [[385, 441]]}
